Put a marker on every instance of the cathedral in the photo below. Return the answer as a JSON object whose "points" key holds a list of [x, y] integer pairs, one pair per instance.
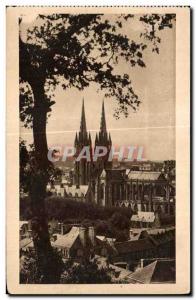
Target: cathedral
{"points": [[85, 170], [107, 185], [89, 172]]}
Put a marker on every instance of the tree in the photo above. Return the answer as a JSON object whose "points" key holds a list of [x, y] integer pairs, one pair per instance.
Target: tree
{"points": [[30, 268], [169, 169], [74, 51], [119, 221], [85, 272]]}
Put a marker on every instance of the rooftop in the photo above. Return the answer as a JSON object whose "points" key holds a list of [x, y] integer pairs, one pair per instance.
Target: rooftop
{"points": [[26, 243], [134, 245], [67, 240], [143, 216], [156, 272], [75, 191], [142, 175]]}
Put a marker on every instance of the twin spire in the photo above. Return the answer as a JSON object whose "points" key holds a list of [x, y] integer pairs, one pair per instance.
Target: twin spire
{"points": [[83, 120], [103, 121], [84, 137]]}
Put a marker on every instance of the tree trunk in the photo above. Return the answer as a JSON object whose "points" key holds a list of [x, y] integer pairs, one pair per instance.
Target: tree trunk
{"points": [[49, 265], [46, 264]]}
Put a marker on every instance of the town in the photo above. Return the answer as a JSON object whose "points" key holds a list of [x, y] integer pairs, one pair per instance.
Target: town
{"points": [[140, 193]]}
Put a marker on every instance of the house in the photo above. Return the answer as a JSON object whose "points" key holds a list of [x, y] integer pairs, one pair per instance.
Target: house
{"points": [[105, 246], [26, 245], [25, 229], [158, 271], [162, 238], [127, 253], [165, 241], [145, 219], [79, 242], [117, 273], [135, 235], [134, 250], [143, 243]]}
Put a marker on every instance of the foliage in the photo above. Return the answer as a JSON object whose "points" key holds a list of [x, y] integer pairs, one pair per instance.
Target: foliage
{"points": [[77, 50], [85, 272], [154, 23], [28, 166], [112, 222], [120, 221], [30, 270], [169, 168], [71, 51], [63, 209]]}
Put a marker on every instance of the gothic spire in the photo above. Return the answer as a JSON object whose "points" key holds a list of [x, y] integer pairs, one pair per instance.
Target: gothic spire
{"points": [[103, 121], [96, 139], [89, 138], [110, 140], [76, 140], [83, 120]]}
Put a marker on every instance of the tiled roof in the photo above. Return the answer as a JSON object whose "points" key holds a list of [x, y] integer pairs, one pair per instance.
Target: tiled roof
{"points": [[74, 191], [133, 246], [143, 216], [67, 240], [116, 174], [156, 272], [135, 236], [127, 171], [155, 231], [101, 237], [142, 175], [144, 275], [26, 243]]}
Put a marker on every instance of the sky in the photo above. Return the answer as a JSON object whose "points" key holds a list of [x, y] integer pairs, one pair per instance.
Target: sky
{"points": [[152, 126]]}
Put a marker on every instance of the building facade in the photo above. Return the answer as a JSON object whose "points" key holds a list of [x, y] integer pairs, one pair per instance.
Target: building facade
{"points": [[141, 190]]}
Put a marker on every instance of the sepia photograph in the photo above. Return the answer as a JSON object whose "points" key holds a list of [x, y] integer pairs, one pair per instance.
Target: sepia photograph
{"points": [[97, 150]]}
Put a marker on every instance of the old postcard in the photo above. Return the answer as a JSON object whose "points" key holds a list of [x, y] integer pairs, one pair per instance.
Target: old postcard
{"points": [[98, 150]]}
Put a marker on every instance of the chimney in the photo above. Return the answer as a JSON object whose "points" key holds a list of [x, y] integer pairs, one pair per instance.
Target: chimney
{"points": [[29, 233], [82, 235], [142, 263], [131, 235], [29, 225], [62, 228], [91, 235]]}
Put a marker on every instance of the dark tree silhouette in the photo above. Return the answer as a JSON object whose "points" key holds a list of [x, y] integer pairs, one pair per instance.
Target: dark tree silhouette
{"points": [[85, 272], [74, 51]]}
